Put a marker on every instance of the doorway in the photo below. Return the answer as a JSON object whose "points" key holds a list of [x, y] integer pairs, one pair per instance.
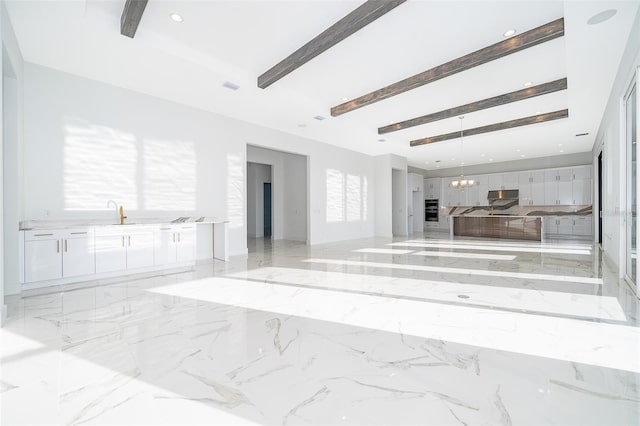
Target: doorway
{"points": [[266, 197], [600, 198], [259, 201]]}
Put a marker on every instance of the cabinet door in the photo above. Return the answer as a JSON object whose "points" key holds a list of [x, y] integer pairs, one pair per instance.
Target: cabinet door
{"points": [[581, 189], [582, 226], [582, 173], [78, 257], [165, 246], [186, 240], [473, 193], [565, 192], [565, 225], [43, 260], [537, 188], [111, 253], [550, 225], [510, 180], [483, 188], [524, 185], [140, 249], [495, 182], [551, 193]]}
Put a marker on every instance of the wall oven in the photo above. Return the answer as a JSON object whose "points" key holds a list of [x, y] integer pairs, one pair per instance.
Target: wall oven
{"points": [[431, 210]]}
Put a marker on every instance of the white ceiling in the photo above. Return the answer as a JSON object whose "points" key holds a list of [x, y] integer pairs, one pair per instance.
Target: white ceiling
{"points": [[239, 40]]}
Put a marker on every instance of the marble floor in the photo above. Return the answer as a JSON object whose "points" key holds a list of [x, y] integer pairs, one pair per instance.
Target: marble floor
{"points": [[422, 330]]}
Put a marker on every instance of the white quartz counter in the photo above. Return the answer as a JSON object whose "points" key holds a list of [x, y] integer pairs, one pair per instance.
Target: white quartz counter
{"points": [[27, 225]]}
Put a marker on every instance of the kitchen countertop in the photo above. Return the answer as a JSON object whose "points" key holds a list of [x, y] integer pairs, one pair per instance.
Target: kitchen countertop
{"points": [[28, 225]]}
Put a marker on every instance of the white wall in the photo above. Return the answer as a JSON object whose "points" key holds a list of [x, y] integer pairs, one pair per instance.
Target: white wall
{"points": [[611, 139], [86, 142], [11, 176], [257, 176], [384, 193], [399, 202]]}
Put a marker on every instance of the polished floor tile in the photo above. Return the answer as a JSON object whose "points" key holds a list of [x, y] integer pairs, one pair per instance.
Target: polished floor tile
{"points": [[361, 332]]}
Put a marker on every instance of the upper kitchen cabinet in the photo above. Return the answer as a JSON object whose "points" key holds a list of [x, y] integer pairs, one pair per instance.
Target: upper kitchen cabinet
{"points": [[432, 188], [569, 186], [581, 187], [500, 181], [558, 189], [531, 186]]}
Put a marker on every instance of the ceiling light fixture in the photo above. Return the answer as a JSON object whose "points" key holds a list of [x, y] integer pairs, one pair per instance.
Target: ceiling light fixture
{"points": [[230, 85], [176, 17], [345, 99], [462, 183], [601, 17], [509, 32], [527, 84]]}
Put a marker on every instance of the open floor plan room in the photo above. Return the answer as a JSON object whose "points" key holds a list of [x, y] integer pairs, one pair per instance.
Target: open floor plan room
{"points": [[319, 212]]}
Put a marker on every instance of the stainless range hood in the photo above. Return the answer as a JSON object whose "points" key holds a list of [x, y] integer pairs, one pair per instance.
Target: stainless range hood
{"points": [[503, 195]]}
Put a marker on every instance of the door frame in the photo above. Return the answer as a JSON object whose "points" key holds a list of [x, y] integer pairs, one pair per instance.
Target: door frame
{"points": [[625, 152]]}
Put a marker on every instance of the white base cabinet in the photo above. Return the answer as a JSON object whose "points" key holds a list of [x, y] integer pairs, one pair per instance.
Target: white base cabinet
{"points": [[70, 255], [50, 255]]}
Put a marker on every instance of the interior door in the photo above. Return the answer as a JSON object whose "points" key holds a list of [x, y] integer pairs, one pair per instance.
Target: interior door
{"points": [[267, 209]]}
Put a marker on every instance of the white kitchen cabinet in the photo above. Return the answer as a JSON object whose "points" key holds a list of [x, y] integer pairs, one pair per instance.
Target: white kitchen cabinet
{"points": [[581, 185], [140, 248], [558, 187], [510, 181], [111, 253], [477, 194], [43, 256], [64, 253], [165, 246], [495, 182], [78, 254], [565, 225], [531, 188], [186, 244], [583, 225], [432, 188], [175, 244]]}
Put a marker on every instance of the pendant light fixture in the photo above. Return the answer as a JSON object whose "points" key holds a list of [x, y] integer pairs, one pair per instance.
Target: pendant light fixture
{"points": [[462, 183]]}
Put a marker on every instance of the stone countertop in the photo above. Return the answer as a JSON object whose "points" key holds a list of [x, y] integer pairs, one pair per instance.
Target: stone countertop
{"points": [[496, 215], [28, 225]]}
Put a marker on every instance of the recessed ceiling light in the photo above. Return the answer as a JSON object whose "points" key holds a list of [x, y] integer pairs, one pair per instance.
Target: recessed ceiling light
{"points": [[582, 134], [509, 32], [426, 162], [453, 159], [319, 117], [176, 17], [562, 150], [230, 85], [462, 163], [559, 144], [522, 155], [538, 112], [527, 84], [599, 18], [517, 150], [437, 165], [345, 99], [490, 159]]}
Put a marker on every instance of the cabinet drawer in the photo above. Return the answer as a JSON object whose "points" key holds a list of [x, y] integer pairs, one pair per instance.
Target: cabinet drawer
{"points": [[40, 235]]}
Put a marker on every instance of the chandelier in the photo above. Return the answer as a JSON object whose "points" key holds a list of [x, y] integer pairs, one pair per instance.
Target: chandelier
{"points": [[462, 182]]}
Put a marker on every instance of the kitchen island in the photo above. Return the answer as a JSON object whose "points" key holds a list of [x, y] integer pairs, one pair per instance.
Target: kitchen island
{"points": [[498, 226]]}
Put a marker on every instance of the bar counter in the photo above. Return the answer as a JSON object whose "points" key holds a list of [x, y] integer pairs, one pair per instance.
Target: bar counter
{"points": [[496, 226]]}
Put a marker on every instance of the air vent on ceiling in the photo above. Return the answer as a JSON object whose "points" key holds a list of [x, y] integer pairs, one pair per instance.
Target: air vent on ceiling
{"points": [[319, 117], [230, 85], [582, 134]]}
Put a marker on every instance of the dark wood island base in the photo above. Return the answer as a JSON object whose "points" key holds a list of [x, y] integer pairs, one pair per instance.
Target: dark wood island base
{"points": [[509, 227]]}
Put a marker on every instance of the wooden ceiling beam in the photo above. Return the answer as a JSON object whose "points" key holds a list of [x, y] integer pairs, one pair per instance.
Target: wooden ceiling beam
{"points": [[534, 119], [549, 31], [518, 95], [131, 15], [354, 21]]}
